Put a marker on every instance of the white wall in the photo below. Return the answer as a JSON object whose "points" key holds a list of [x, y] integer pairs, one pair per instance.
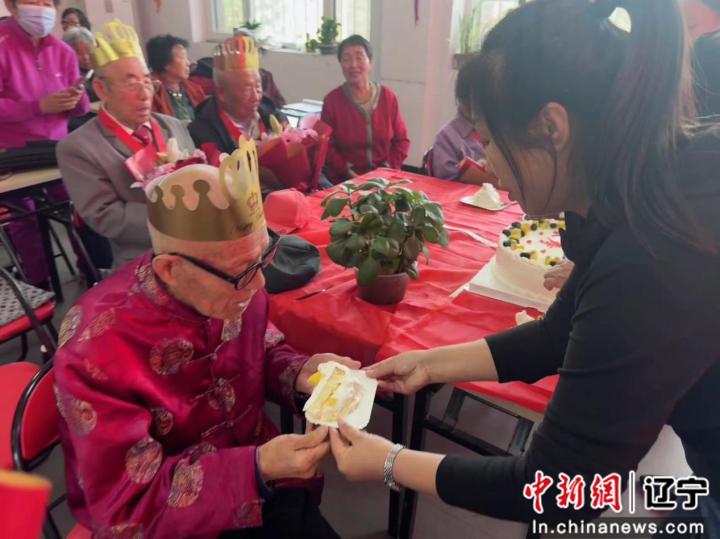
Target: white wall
{"points": [[101, 11], [412, 60]]}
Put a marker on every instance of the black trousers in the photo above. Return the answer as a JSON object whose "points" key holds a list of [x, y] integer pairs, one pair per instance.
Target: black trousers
{"points": [[289, 514]]}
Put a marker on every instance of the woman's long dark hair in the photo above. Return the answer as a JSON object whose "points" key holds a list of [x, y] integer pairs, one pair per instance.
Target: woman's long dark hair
{"points": [[82, 18], [628, 96]]}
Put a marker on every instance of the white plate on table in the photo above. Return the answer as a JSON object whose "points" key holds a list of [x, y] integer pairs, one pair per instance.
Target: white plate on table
{"points": [[471, 202]]}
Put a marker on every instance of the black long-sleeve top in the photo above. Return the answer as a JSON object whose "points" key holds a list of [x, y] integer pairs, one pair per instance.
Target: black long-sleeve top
{"points": [[635, 338]]}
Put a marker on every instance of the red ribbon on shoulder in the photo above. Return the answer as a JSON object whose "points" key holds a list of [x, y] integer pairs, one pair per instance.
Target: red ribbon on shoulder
{"points": [[133, 143], [234, 131]]}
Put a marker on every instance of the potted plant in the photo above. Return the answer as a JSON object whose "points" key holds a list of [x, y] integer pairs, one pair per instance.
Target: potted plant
{"points": [[382, 235], [251, 27], [327, 35]]}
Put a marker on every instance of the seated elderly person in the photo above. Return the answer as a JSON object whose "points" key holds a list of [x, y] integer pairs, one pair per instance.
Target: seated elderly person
{"points": [[368, 129], [93, 158], [82, 42], [163, 373], [458, 139], [236, 107], [176, 95], [35, 104]]}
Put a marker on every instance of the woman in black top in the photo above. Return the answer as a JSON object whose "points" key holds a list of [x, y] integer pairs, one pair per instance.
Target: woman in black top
{"points": [[582, 117]]}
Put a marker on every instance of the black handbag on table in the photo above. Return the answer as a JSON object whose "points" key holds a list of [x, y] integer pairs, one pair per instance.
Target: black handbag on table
{"points": [[294, 265]]}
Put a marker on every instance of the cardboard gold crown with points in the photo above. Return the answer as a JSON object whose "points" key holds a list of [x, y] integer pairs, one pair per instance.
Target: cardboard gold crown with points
{"points": [[117, 40], [205, 203], [238, 53]]}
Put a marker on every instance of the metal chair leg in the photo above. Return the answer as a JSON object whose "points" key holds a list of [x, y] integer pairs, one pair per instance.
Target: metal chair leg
{"points": [[399, 433], [417, 442], [94, 276], [23, 347], [50, 530], [10, 248], [63, 252]]}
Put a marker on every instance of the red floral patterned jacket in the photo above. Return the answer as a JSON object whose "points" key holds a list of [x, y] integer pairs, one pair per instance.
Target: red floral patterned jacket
{"points": [[163, 409]]}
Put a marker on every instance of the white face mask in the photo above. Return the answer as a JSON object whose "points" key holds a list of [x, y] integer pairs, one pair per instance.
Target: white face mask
{"points": [[38, 21]]}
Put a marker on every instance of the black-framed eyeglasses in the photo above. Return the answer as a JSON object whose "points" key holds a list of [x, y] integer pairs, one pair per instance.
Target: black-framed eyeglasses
{"points": [[244, 278]]}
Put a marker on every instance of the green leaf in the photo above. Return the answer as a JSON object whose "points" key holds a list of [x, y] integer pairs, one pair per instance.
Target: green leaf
{"points": [[335, 207], [412, 248], [396, 230], [355, 260], [336, 252], [340, 228], [426, 253], [394, 248], [368, 208], [412, 271], [434, 210], [444, 238], [377, 183], [355, 243], [381, 245], [327, 198], [368, 271], [418, 216], [430, 234]]}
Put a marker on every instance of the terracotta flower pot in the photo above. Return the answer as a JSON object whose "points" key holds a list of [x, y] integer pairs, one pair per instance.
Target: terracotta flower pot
{"points": [[385, 289]]}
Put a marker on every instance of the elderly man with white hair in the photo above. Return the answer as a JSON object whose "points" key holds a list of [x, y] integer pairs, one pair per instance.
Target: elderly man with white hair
{"points": [[164, 369], [96, 160]]}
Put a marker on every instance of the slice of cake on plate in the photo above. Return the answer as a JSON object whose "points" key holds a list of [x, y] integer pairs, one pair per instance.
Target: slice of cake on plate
{"points": [[340, 393]]}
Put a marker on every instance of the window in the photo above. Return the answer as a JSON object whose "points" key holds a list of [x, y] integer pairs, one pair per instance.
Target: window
{"points": [[286, 23], [472, 19]]}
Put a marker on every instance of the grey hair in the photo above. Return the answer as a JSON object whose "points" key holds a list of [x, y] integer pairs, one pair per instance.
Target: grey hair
{"points": [[78, 34]]}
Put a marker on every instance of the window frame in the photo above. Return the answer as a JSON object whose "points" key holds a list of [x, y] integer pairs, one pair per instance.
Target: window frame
{"points": [[329, 10]]}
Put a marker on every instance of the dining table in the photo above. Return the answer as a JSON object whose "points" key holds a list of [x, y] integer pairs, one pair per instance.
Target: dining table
{"points": [[327, 315]]}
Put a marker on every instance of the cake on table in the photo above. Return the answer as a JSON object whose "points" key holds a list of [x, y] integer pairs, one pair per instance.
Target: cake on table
{"points": [[526, 250]]}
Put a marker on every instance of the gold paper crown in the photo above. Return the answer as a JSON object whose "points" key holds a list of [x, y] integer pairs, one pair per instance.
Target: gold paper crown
{"points": [[204, 203], [118, 40], [239, 53]]}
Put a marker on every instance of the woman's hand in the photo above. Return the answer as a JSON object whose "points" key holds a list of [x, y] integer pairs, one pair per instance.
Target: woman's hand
{"points": [[405, 373], [360, 456]]}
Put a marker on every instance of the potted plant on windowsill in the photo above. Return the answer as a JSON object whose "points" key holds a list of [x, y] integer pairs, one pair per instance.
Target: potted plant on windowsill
{"points": [[382, 235], [327, 36]]}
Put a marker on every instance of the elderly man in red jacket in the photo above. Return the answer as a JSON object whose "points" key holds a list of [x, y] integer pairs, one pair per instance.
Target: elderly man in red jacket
{"points": [[164, 369]]}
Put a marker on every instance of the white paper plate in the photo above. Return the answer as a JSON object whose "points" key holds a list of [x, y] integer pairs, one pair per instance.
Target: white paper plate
{"points": [[470, 201], [485, 284], [358, 418]]}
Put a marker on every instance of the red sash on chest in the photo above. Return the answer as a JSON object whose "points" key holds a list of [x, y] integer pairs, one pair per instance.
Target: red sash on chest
{"points": [[133, 143]]}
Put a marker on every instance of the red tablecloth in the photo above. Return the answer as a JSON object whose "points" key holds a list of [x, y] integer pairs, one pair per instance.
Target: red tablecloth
{"points": [[338, 321]]}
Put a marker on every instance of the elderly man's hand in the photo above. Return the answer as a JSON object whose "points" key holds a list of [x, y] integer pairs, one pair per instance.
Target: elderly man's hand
{"points": [[61, 101], [311, 366], [556, 276], [293, 455]]}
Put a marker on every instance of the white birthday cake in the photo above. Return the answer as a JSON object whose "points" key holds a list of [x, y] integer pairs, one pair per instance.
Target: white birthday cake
{"points": [[526, 250]]}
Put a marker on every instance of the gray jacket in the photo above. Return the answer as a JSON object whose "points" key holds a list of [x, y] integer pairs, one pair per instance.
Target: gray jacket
{"points": [[92, 163]]}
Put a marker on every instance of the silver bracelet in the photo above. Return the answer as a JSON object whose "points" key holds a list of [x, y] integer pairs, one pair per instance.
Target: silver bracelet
{"points": [[388, 468]]}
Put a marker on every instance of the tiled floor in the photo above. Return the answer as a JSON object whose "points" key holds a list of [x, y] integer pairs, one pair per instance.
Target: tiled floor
{"points": [[359, 510]]}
